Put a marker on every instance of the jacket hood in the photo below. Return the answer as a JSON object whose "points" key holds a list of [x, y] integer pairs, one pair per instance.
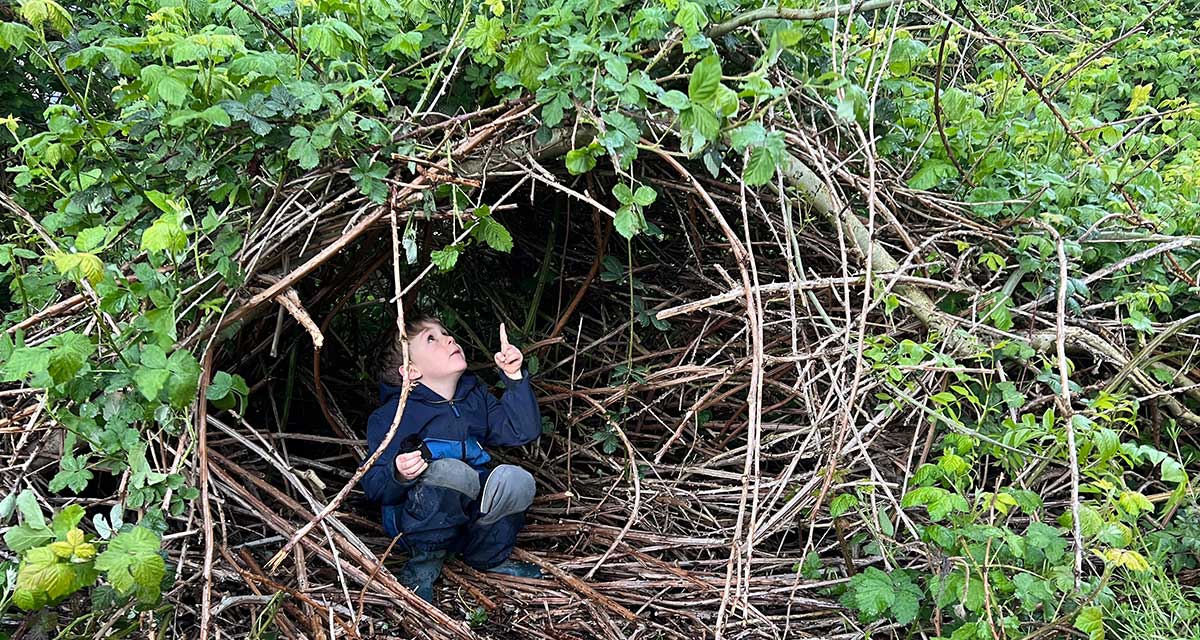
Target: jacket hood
{"points": [[423, 393]]}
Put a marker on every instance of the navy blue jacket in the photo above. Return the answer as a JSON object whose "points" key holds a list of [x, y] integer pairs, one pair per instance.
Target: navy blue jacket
{"points": [[452, 428]]}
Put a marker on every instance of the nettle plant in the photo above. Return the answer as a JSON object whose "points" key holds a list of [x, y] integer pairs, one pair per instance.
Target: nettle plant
{"points": [[1000, 558]]}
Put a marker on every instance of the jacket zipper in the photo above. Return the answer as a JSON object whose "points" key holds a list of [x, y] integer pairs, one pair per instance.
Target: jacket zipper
{"points": [[464, 434]]}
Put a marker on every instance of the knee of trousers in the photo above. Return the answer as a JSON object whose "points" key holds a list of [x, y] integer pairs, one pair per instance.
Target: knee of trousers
{"points": [[452, 474], [509, 489]]}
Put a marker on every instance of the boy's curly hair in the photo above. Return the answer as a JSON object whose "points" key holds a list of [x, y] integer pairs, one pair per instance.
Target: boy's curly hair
{"points": [[391, 355]]}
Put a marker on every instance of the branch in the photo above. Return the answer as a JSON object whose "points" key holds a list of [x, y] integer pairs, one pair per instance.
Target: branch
{"points": [[778, 13], [818, 195], [291, 301]]}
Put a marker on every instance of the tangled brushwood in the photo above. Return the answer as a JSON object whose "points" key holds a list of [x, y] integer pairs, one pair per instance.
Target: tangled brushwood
{"points": [[861, 320]]}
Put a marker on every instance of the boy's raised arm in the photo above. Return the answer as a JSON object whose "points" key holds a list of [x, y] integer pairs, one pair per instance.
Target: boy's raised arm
{"points": [[515, 419]]}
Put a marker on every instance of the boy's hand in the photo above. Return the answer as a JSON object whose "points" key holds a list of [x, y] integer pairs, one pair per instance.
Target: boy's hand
{"points": [[509, 358], [410, 465]]}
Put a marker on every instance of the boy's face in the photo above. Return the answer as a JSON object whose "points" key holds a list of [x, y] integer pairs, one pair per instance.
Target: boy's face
{"points": [[434, 352]]}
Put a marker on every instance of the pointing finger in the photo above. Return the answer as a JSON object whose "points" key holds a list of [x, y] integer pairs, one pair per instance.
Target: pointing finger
{"points": [[503, 338]]}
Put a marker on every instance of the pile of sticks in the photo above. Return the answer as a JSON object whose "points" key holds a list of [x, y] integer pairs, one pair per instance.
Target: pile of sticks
{"points": [[686, 470]]}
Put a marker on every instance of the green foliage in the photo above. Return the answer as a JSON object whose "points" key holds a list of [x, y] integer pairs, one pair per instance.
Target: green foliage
{"points": [[225, 390], [877, 594], [1155, 607], [133, 564], [59, 559], [1004, 540], [143, 133]]}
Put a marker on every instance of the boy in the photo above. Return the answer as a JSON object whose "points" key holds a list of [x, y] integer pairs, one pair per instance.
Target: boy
{"points": [[453, 502]]}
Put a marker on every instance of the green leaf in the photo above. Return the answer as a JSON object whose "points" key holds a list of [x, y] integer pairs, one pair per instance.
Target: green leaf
{"points": [[408, 43], [80, 266], [622, 130], [7, 505], [493, 234], [446, 258], [172, 89], [38, 12], [67, 519], [629, 221], [132, 563], [842, 504], [1047, 540], [181, 118], [73, 545], [872, 591], [705, 80], [150, 381], [999, 310], [26, 360], [42, 570], [1126, 559], [939, 502], [1134, 503], [219, 387], [215, 115], [485, 36], [675, 100], [162, 323], [580, 161], [527, 61], [91, 238], [1173, 472], [644, 196], [1091, 621], [31, 511], [986, 201], [931, 173], [154, 356], [164, 202], [68, 352], [148, 573], [74, 475], [1139, 97], [617, 69], [760, 168], [303, 151], [847, 108], [24, 537], [705, 121], [184, 378], [552, 113], [726, 103], [691, 18], [747, 135], [164, 234], [907, 601], [13, 35], [323, 37], [623, 193]]}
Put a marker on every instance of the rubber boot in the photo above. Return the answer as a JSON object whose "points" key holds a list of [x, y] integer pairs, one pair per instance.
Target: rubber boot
{"points": [[517, 568], [420, 572]]}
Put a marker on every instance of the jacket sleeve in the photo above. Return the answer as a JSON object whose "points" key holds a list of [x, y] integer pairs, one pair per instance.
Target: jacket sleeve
{"points": [[381, 482], [514, 419]]}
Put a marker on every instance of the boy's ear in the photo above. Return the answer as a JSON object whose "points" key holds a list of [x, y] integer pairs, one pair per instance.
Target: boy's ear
{"points": [[414, 373]]}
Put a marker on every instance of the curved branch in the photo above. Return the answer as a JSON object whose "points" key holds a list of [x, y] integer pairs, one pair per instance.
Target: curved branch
{"points": [[779, 13]]}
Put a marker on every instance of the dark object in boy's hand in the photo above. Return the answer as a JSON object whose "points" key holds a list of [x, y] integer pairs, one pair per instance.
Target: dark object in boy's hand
{"points": [[415, 443]]}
